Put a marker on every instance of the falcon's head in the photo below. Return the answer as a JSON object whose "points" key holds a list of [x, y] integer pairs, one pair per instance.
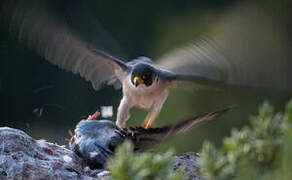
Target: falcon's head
{"points": [[143, 73]]}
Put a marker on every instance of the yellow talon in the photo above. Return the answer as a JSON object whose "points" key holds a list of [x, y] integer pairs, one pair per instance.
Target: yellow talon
{"points": [[147, 125]]}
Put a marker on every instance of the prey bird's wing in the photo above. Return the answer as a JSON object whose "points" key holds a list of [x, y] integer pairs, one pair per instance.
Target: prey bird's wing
{"points": [[48, 28], [146, 138], [248, 46]]}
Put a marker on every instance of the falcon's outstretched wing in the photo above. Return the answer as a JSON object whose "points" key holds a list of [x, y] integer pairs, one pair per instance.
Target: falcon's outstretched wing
{"points": [[46, 27], [248, 47]]}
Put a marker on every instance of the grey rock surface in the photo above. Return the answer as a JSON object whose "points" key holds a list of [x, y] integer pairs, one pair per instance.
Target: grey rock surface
{"points": [[22, 157], [188, 162]]}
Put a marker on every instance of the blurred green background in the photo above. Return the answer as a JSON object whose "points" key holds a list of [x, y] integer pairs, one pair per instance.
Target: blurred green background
{"points": [[29, 84]]}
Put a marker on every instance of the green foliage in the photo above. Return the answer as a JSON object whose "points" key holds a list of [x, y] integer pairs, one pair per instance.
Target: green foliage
{"points": [[128, 165], [261, 151]]}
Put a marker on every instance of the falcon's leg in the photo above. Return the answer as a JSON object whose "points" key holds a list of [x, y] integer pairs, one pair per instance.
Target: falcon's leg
{"points": [[152, 114], [154, 111], [123, 112]]}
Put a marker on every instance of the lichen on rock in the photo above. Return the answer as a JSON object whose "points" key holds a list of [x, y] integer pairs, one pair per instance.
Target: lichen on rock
{"points": [[188, 162]]}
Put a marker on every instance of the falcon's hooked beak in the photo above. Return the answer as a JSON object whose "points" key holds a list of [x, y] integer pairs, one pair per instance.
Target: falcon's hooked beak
{"points": [[137, 80]]}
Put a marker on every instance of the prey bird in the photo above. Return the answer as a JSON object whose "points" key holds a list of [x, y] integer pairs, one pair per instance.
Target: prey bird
{"points": [[96, 140], [227, 55]]}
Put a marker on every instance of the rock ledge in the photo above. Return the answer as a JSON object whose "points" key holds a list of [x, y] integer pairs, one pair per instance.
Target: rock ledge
{"points": [[22, 157]]}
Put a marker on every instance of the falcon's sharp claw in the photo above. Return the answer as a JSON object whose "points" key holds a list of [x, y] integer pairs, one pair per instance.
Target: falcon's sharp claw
{"points": [[147, 125], [121, 133]]}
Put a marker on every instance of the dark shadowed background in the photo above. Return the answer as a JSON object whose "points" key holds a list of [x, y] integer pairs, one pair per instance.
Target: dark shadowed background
{"points": [[46, 102]]}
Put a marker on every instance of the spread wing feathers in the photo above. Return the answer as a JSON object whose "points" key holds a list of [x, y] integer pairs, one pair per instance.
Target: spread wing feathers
{"points": [[40, 26], [202, 81], [149, 137], [246, 48]]}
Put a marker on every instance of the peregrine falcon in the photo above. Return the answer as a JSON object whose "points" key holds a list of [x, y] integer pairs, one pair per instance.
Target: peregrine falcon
{"points": [[144, 85]]}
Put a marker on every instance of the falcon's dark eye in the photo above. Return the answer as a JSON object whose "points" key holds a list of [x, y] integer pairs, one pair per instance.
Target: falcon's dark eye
{"points": [[147, 79], [145, 76]]}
